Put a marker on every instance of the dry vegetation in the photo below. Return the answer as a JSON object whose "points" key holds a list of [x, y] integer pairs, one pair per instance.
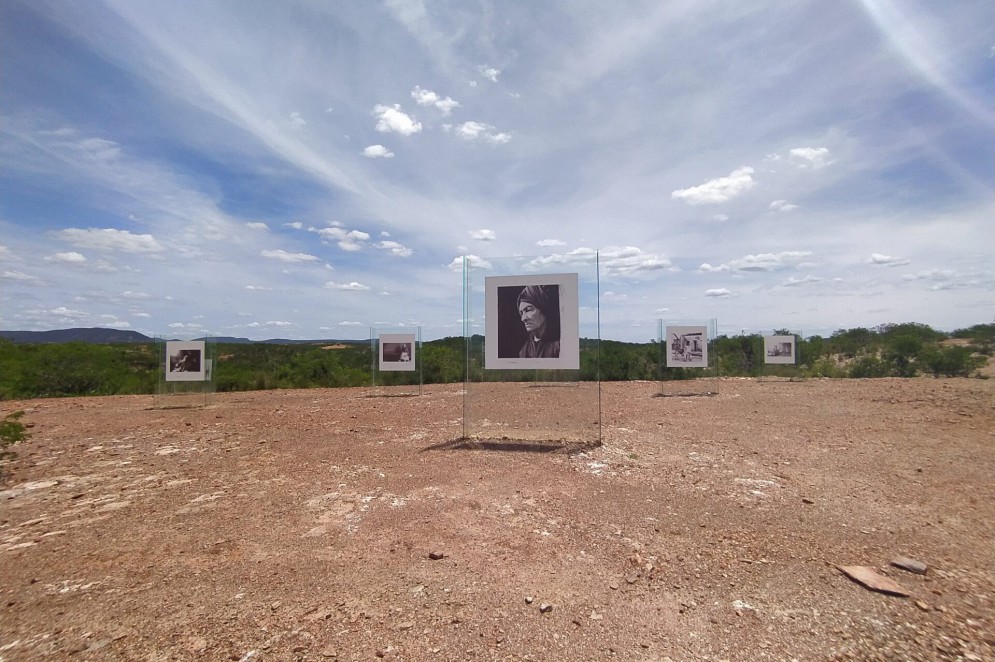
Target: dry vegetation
{"points": [[302, 525]]}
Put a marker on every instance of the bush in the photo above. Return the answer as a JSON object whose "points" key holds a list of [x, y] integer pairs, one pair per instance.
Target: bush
{"points": [[11, 432]]}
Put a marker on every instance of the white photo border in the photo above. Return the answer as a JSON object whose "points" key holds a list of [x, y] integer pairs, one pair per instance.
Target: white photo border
{"points": [[175, 346], [398, 366], [569, 358], [682, 331]]}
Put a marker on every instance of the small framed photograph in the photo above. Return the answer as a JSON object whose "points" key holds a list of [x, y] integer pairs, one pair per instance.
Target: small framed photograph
{"points": [[779, 349], [185, 361], [532, 322], [687, 347], [397, 352]]}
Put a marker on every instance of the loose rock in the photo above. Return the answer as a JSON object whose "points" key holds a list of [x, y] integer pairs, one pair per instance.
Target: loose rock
{"points": [[905, 563]]}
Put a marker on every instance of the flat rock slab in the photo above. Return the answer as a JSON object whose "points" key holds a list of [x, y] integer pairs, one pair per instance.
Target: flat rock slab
{"points": [[868, 578]]}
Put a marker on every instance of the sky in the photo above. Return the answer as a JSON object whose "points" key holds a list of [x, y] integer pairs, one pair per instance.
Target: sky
{"points": [[311, 169]]}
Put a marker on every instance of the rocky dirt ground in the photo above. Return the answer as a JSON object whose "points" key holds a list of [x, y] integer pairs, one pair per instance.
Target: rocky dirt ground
{"points": [[349, 525]]}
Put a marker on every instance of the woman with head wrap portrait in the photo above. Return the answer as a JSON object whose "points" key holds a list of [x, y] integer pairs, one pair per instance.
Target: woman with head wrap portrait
{"points": [[539, 310]]}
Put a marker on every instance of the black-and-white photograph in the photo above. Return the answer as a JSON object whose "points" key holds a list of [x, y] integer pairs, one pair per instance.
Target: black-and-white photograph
{"points": [[185, 361], [397, 352], [779, 349], [687, 347], [532, 322]]}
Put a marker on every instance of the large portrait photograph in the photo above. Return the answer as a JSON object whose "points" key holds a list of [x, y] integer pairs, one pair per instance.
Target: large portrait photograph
{"points": [[687, 347], [397, 352], [532, 322], [779, 349], [185, 361]]}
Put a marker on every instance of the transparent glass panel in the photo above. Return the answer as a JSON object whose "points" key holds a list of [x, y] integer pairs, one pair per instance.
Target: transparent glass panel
{"points": [[396, 361], [689, 362], [780, 355], [186, 373], [533, 342]]}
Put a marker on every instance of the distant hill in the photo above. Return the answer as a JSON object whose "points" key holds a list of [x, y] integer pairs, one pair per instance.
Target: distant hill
{"points": [[96, 336]]}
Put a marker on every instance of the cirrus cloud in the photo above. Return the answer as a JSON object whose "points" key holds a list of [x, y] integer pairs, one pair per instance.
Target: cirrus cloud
{"points": [[284, 256], [110, 239]]}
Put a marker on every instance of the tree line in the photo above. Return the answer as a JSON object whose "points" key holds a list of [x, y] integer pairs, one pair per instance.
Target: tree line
{"points": [[891, 350]]}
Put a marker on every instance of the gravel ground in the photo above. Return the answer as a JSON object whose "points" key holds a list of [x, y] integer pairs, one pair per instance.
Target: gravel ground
{"points": [[346, 524]]}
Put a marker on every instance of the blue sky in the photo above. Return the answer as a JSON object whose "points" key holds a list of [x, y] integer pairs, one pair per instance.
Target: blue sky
{"points": [[311, 169]]}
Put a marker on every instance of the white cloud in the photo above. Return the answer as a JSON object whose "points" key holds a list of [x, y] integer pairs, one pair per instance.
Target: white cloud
{"points": [[390, 119], [546, 243], [296, 120], [782, 205], [473, 261], [629, 261], [20, 277], [761, 262], [395, 248], [718, 190], [430, 98], [296, 225], [278, 323], [350, 287], [284, 256], [378, 152], [110, 239], [71, 257], [811, 157], [794, 282], [473, 131], [347, 240], [720, 292], [483, 234], [257, 225], [258, 288], [490, 73], [931, 274], [887, 260]]}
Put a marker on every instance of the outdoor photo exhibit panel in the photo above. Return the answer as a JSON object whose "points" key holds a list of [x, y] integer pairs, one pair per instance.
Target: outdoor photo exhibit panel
{"points": [[779, 350], [186, 375], [780, 355], [686, 356], [396, 363], [523, 324]]}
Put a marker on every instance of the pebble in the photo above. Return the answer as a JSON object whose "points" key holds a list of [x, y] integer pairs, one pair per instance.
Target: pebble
{"points": [[436, 555], [545, 608], [529, 599]]}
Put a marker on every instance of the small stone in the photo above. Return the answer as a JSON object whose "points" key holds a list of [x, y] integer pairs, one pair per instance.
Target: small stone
{"points": [[808, 501], [275, 605], [922, 605], [406, 625], [436, 555], [595, 616], [529, 599], [905, 563], [299, 648], [631, 579], [613, 586], [545, 608], [329, 653]]}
